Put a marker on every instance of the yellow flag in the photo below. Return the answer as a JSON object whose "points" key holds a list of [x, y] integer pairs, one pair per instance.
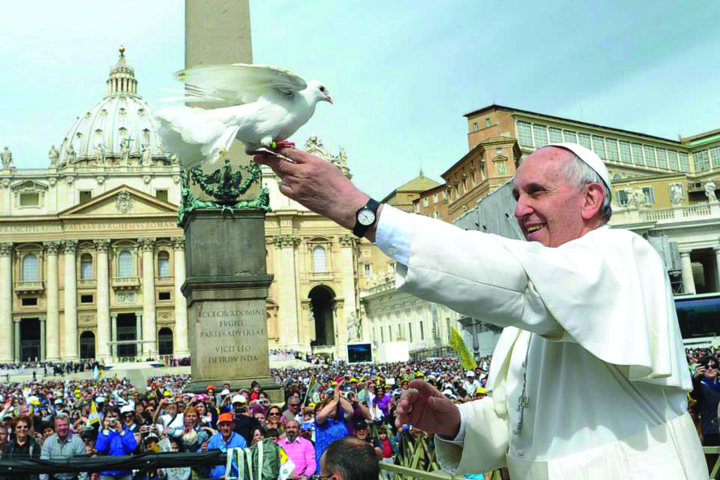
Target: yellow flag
{"points": [[94, 417], [457, 344]]}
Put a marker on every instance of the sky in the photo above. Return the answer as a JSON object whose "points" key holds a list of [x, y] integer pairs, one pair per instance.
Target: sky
{"points": [[402, 73]]}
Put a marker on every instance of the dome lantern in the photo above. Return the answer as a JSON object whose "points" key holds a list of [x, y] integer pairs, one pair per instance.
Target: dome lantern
{"points": [[122, 78]]}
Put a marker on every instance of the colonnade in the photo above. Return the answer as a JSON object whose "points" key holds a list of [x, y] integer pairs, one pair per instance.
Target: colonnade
{"points": [[57, 345]]}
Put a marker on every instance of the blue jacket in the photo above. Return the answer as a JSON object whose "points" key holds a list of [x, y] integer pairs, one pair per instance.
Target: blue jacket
{"points": [[111, 443], [216, 442]]}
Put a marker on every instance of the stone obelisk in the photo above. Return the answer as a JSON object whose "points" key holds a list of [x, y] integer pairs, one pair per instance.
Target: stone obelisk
{"points": [[227, 281]]}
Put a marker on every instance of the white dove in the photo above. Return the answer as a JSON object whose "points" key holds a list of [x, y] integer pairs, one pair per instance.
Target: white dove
{"points": [[260, 105]]}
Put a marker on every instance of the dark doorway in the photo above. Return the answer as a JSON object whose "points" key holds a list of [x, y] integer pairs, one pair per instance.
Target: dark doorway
{"points": [[126, 330], [29, 339], [87, 345], [322, 299], [165, 339]]}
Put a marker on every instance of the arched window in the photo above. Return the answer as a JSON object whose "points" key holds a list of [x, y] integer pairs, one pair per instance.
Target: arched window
{"points": [[319, 260], [86, 267], [163, 264], [125, 264], [30, 271]]}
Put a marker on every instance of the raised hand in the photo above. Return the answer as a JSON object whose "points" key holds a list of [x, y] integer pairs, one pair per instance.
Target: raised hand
{"points": [[424, 407]]}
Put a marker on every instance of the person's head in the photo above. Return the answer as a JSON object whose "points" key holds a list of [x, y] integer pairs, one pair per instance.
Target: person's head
{"points": [[260, 416], [48, 430], [3, 435], [172, 407], [273, 415], [273, 434], [21, 427], [349, 459], [294, 405], [258, 435], [226, 423], [127, 414], [292, 429], [176, 444], [255, 386], [200, 408], [62, 426], [380, 392], [191, 417], [361, 429], [559, 197]]}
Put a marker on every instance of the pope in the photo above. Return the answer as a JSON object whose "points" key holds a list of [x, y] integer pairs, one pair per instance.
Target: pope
{"points": [[589, 377]]}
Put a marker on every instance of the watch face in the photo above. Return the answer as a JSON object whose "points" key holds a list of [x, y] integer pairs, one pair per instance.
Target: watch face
{"points": [[366, 217]]}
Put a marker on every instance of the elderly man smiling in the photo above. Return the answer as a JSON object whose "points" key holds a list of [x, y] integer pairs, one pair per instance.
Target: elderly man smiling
{"points": [[589, 378]]}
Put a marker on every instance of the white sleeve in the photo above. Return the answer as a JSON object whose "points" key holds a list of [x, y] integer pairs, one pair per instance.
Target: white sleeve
{"points": [[394, 233]]}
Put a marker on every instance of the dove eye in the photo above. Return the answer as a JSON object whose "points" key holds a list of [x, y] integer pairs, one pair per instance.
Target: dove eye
{"points": [[322, 89]]}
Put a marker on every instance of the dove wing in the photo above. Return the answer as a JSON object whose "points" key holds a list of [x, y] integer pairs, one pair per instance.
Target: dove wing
{"points": [[236, 84]]}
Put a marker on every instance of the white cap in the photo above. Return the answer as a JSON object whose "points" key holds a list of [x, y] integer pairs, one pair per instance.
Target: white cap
{"points": [[590, 158], [58, 401], [239, 399], [126, 409], [225, 392]]}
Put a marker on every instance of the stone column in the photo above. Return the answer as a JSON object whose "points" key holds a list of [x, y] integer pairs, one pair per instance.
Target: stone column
{"points": [[687, 273], [70, 345], [6, 326], [52, 331], [349, 314], [181, 326], [16, 322], [716, 249], [149, 332], [43, 347], [103, 300], [113, 335], [139, 332], [288, 315]]}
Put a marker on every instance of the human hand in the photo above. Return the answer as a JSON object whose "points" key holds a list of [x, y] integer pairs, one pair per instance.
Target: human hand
{"points": [[424, 407], [203, 448], [315, 183], [700, 371]]}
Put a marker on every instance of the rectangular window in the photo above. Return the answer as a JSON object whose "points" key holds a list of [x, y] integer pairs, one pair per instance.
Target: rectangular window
{"points": [[625, 155], [650, 159], [86, 269], [422, 331], [584, 140], [540, 135], [85, 196], [410, 331], [367, 270], [673, 160], [555, 135], [570, 136], [389, 333], [622, 197], [163, 295], [684, 162], [612, 150], [29, 302], [29, 199], [382, 335], [524, 130], [444, 194], [702, 161], [436, 215], [649, 194], [638, 157], [487, 123], [435, 198], [86, 299], [426, 202], [161, 195], [599, 146], [715, 157], [475, 127], [662, 159]]}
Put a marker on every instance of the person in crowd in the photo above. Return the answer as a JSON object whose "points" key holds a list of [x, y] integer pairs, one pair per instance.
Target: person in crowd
{"points": [[273, 434], [129, 418], [224, 439], [293, 409], [175, 473], [272, 419], [115, 440], [299, 450], [471, 384], [63, 444], [3, 438], [173, 422], [245, 423], [330, 422], [194, 434], [258, 435], [23, 445], [256, 390], [349, 459]]}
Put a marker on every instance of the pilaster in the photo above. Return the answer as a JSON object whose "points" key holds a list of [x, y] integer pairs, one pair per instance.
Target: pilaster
{"points": [[6, 327], [52, 331], [70, 335], [103, 300], [149, 330], [181, 324]]}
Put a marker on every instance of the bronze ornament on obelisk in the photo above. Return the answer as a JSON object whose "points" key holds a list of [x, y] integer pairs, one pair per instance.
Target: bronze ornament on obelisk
{"points": [[223, 214]]}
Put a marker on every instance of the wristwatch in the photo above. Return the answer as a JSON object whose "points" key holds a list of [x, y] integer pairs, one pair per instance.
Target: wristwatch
{"points": [[365, 217]]}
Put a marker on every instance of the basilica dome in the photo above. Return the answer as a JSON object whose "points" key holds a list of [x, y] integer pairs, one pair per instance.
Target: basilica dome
{"points": [[120, 130]]}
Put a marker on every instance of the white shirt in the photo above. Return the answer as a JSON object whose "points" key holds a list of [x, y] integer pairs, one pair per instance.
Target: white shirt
{"points": [[598, 334]]}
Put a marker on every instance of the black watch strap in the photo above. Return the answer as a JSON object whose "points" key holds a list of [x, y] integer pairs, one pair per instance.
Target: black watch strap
{"points": [[359, 229]]}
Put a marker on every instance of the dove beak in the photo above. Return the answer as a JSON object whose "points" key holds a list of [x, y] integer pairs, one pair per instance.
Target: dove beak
{"points": [[329, 99]]}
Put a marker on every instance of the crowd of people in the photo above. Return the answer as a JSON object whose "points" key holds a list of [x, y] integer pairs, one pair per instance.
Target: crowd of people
{"points": [[60, 417]]}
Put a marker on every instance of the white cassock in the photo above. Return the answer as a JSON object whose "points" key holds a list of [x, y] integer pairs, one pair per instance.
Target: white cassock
{"points": [[591, 337]]}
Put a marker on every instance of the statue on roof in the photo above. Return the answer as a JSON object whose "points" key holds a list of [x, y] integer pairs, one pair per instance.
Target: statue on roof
{"points": [[146, 155], [710, 192], [125, 151], [70, 155], [7, 161], [53, 155], [101, 153]]}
